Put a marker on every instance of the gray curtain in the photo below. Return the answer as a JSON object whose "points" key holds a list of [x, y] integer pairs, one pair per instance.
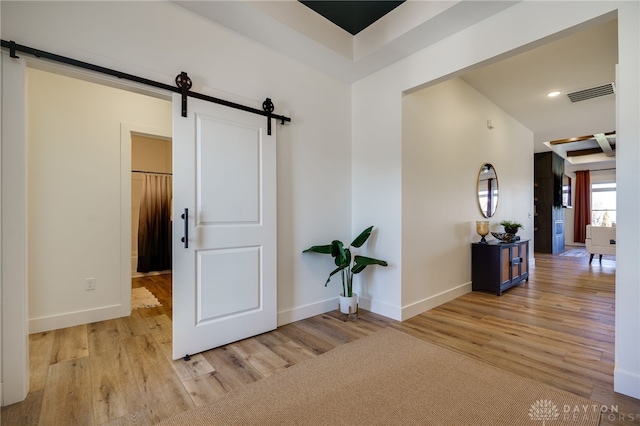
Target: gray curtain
{"points": [[154, 226]]}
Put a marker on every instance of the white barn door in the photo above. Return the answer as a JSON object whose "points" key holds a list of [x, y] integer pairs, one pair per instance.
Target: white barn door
{"points": [[224, 273]]}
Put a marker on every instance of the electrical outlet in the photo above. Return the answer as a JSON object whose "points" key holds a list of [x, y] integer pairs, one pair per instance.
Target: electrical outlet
{"points": [[91, 284]]}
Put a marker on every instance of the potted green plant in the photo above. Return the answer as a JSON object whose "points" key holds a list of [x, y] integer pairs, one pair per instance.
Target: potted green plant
{"points": [[347, 265], [511, 227]]}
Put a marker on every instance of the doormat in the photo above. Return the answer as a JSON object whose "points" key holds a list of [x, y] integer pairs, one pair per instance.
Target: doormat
{"points": [[143, 298]]}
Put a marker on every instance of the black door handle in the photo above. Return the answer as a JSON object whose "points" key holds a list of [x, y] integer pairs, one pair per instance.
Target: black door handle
{"points": [[185, 239]]}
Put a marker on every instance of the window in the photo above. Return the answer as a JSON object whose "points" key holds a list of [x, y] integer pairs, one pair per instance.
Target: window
{"points": [[603, 204]]}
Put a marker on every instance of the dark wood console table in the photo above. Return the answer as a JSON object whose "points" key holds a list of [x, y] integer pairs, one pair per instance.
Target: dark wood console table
{"points": [[497, 266]]}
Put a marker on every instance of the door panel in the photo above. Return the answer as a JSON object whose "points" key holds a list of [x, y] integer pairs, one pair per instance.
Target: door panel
{"points": [[224, 283], [217, 269], [219, 160]]}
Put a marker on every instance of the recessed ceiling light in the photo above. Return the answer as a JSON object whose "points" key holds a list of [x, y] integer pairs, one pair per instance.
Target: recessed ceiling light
{"points": [[553, 94]]}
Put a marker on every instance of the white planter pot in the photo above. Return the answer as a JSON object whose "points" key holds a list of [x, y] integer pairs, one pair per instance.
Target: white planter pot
{"points": [[347, 303]]}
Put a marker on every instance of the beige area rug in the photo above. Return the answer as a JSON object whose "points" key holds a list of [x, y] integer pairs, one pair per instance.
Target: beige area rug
{"points": [[580, 252], [143, 298], [392, 378]]}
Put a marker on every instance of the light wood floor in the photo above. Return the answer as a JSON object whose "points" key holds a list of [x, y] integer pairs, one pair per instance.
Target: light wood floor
{"points": [[558, 329]]}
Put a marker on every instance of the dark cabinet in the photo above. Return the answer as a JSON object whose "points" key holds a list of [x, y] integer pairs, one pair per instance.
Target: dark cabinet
{"points": [[497, 266]]}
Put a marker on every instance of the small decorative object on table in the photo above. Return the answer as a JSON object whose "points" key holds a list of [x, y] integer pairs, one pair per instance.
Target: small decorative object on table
{"points": [[504, 236], [511, 227], [482, 228]]}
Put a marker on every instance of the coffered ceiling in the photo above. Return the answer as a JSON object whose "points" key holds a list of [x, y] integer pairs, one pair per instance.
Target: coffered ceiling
{"points": [[375, 37]]}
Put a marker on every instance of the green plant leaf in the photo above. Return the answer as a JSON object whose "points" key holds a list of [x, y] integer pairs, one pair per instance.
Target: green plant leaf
{"points": [[361, 262], [511, 224], [338, 252], [362, 238], [326, 249], [335, 271], [337, 248], [346, 259]]}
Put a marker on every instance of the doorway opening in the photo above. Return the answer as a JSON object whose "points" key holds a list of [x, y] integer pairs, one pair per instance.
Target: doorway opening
{"points": [[151, 223], [79, 192]]}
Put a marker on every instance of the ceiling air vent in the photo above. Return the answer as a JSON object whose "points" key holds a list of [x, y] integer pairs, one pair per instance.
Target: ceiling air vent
{"points": [[593, 92]]}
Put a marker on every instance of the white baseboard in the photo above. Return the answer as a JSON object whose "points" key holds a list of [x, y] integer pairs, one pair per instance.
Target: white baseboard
{"points": [[384, 309], [424, 305], [626, 383], [296, 314], [70, 319]]}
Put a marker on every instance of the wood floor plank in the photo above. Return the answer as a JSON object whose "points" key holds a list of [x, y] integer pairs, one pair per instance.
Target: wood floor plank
{"points": [[355, 327], [40, 348], [271, 339], [161, 323], [292, 352], [204, 389], [320, 328], [114, 388], [23, 413], [162, 391], [103, 326], [310, 341], [160, 330], [69, 343], [137, 418], [260, 357], [538, 335], [232, 370], [114, 395], [143, 348], [67, 396], [133, 325]]}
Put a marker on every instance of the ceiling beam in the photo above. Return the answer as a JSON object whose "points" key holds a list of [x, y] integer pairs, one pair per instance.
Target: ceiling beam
{"points": [[588, 151], [569, 140]]}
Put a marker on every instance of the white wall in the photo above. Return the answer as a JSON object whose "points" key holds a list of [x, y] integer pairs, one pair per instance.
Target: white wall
{"points": [[627, 349], [445, 141], [377, 138], [74, 187], [157, 40]]}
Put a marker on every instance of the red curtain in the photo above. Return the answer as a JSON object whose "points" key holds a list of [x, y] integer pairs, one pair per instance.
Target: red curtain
{"points": [[582, 212]]}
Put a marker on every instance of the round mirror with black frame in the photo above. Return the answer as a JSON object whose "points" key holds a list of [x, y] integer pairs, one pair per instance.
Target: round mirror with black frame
{"points": [[487, 190]]}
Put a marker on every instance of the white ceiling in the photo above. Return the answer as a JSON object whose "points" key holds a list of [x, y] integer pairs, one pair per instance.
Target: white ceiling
{"points": [[579, 61], [517, 84]]}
